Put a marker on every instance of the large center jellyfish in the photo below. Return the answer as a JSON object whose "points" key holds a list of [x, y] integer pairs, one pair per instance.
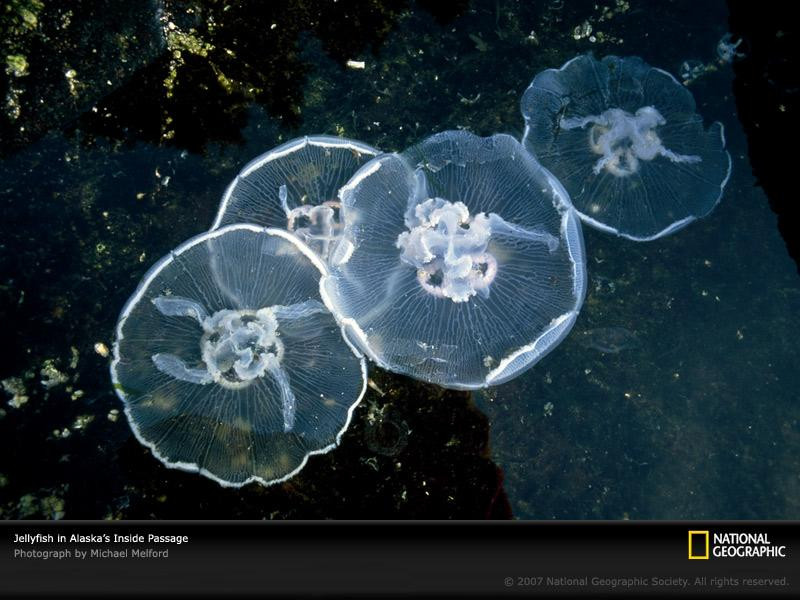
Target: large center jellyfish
{"points": [[294, 187], [626, 142], [461, 262], [229, 364]]}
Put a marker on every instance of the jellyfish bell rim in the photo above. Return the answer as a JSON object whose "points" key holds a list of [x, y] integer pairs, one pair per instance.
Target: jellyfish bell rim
{"points": [[594, 223], [590, 55], [137, 295], [560, 326], [559, 329], [354, 335], [672, 227], [294, 145]]}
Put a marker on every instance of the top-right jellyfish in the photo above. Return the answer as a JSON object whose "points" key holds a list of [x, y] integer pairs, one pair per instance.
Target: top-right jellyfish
{"points": [[627, 144]]}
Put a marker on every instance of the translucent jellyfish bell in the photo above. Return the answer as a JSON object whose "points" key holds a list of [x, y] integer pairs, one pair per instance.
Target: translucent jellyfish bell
{"points": [[228, 362], [461, 262], [294, 187], [625, 141]]}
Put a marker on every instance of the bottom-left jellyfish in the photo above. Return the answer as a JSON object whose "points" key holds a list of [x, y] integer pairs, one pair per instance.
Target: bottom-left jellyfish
{"points": [[228, 362]]}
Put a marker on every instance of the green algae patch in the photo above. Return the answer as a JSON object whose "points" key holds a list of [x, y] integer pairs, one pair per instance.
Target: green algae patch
{"points": [[16, 65]]}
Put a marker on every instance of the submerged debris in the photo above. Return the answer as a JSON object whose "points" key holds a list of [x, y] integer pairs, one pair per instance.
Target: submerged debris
{"points": [[51, 376], [16, 388], [82, 421], [50, 506]]}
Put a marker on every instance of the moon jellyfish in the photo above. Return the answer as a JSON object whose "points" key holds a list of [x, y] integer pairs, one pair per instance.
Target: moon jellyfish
{"points": [[229, 364], [294, 187], [625, 141], [461, 262]]}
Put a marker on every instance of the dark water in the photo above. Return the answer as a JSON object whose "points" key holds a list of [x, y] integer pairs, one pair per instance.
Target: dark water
{"points": [[675, 396]]}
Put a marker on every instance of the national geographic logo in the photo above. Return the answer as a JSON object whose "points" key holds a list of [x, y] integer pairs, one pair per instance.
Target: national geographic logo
{"points": [[703, 545]]}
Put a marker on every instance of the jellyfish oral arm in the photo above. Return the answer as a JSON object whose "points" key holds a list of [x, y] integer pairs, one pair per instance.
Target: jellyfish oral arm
{"points": [[449, 248], [300, 310], [317, 226], [170, 364], [502, 227], [623, 139], [288, 400], [236, 346], [173, 366], [180, 307]]}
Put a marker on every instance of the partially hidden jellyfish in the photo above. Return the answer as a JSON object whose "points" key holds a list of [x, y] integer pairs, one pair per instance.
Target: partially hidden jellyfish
{"points": [[461, 262], [625, 140], [727, 49], [294, 187], [228, 362]]}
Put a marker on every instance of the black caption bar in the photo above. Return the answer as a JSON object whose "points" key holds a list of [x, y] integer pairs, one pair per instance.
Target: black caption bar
{"points": [[393, 559]]}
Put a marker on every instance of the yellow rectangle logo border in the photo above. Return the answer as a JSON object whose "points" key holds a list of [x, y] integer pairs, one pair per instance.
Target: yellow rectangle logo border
{"points": [[698, 557]]}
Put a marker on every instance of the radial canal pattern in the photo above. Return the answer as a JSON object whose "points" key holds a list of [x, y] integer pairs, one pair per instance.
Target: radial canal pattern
{"points": [[625, 140], [461, 262], [229, 363]]}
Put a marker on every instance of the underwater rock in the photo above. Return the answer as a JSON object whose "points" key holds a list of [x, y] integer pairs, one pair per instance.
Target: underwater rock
{"points": [[229, 364], [626, 142], [294, 187], [461, 262]]}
